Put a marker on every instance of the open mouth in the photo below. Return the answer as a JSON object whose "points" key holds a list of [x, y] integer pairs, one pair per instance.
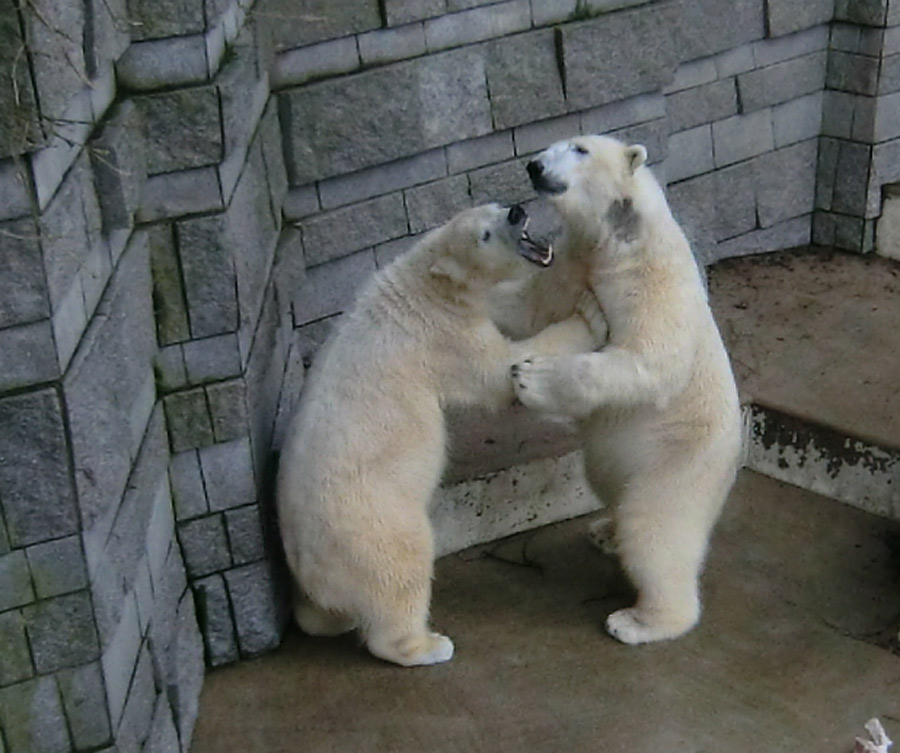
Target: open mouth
{"points": [[534, 251], [543, 184]]}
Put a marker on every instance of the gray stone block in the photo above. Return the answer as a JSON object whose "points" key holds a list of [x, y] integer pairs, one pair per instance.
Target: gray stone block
{"points": [[770, 51], [68, 228], [690, 153], [119, 160], [212, 358], [20, 123], [435, 203], [852, 73], [188, 419], [15, 188], [782, 82], [790, 234], [57, 567], [258, 613], [704, 30], [107, 380], [852, 171], [628, 112], [168, 291], [486, 150], [205, 545], [342, 231], [797, 120], [245, 534], [228, 477], [54, 33], [693, 74], [375, 181], [107, 34], [27, 355], [322, 60], [84, 699], [184, 679], [786, 183], [188, 493], [156, 64], [837, 113], [346, 124], [889, 76], [330, 288], [16, 588], [742, 136], [301, 202], [387, 45], [506, 183], [69, 321], [209, 276], [61, 632], [297, 23], [166, 18], [183, 129], [32, 718], [137, 715], [736, 61], [35, 488], [180, 194], [163, 737], [399, 12], [214, 609], [887, 118], [864, 12], [477, 24], [169, 369], [228, 409], [523, 79], [787, 16], [273, 156], [701, 105], [15, 658], [119, 659], [537, 136], [311, 337], [545, 12], [238, 84], [593, 79]]}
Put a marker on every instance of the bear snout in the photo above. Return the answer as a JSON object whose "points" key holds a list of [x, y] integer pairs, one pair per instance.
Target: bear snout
{"points": [[516, 215], [535, 170]]}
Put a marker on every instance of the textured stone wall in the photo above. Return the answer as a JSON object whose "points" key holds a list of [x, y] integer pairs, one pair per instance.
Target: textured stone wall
{"points": [[192, 190]]}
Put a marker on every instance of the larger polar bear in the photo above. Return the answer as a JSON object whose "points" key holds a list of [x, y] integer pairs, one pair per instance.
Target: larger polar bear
{"points": [[657, 406], [366, 448]]}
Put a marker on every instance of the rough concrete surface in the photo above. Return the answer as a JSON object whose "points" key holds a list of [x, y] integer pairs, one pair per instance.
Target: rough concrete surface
{"points": [[814, 335], [796, 651]]}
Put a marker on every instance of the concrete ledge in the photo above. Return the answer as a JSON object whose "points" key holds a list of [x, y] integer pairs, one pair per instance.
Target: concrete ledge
{"points": [[517, 499]]}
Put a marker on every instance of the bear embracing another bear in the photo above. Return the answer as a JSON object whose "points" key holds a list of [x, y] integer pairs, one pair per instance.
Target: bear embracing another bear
{"points": [[657, 405], [367, 446]]}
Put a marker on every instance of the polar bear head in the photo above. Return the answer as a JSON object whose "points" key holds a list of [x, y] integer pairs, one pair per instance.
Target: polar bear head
{"points": [[487, 244], [594, 181]]}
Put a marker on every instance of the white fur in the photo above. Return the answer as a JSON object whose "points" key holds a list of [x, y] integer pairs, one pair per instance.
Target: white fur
{"points": [[658, 405], [366, 448]]}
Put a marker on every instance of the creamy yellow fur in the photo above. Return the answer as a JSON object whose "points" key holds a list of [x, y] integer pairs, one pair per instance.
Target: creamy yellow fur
{"points": [[658, 406], [366, 448]]}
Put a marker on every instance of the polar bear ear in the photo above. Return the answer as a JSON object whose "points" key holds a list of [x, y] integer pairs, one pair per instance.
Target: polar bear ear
{"points": [[450, 269], [635, 155]]}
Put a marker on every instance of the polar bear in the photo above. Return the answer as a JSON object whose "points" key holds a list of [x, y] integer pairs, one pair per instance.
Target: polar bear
{"points": [[657, 406], [366, 448]]}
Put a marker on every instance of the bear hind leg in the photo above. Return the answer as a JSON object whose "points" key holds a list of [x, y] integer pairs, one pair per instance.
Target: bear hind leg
{"points": [[314, 620]]}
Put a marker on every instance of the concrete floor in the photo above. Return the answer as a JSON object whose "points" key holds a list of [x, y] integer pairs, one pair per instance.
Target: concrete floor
{"points": [[798, 645], [795, 653]]}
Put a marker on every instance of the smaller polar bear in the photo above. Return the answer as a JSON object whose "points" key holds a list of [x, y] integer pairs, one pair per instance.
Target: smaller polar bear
{"points": [[366, 448], [658, 406]]}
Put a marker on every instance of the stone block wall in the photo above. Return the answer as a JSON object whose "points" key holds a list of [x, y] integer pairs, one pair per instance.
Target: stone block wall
{"points": [[191, 193]]}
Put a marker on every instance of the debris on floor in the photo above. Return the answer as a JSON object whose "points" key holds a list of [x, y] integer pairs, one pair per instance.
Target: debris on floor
{"points": [[880, 742]]}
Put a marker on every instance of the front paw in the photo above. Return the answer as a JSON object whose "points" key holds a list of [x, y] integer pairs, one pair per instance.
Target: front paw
{"points": [[540, 383]]}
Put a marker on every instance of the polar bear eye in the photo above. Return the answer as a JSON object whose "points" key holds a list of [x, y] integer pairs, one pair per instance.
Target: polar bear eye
{"points": [[486, 236], [579, 149]]}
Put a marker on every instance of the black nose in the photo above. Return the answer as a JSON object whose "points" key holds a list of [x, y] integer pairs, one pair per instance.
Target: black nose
{"points": [[535, 169], [516, 214]]}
